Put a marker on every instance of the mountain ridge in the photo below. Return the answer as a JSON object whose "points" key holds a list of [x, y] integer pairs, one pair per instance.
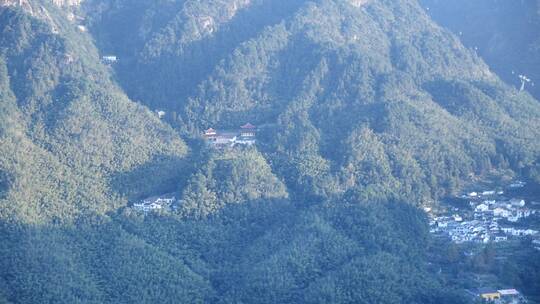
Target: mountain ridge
{"points": [[70, 111], [368, 112]]}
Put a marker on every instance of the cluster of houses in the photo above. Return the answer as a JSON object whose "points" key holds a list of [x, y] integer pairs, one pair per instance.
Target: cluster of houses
{"points": [[244, 136], [517, 184], [155, 203], [499, 296], [512, 210], [491, 220]]}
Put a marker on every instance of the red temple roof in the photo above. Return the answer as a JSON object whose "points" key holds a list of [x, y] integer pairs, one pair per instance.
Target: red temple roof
{"points": [[210, 131], [248, 126]]}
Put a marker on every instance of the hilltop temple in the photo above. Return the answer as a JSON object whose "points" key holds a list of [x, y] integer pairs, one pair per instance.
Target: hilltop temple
{"points": [[245, 135]]}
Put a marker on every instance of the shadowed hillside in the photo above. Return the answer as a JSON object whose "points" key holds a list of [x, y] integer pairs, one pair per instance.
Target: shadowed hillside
{"points": [[365, 110]]}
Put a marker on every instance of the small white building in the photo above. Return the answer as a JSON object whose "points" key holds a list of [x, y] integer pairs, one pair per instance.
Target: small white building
{"points": [[479, 229], [154, 203], [501, 212], [500, 238], [530, 232], [109, 59], [481, 208], [508, 293], [521, 213], [160, 200], [518, 232], [513, 218], [510, 230], [517, 184], [160, 113], [138, 205], [442, 224], [516, 202]]}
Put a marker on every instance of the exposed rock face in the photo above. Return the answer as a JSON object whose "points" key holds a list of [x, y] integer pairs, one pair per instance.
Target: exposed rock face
{"points": [[207, 24], [33, 9], [196, 20], [22, 3], [67, 3], [235, 6], [39, 10], [26, 3], [11, 2], [358, 3]]}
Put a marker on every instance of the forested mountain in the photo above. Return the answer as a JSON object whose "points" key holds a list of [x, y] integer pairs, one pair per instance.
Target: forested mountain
{"points": [[329, 76], [367, 110], [67, 127], [503, 33]]}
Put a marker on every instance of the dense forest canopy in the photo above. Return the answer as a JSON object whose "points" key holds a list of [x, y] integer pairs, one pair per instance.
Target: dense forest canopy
{"points": [[321, 75], [367, 110]]}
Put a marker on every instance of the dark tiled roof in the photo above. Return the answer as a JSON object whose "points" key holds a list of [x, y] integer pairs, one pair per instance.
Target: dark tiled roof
{"points": [[248, 126]]}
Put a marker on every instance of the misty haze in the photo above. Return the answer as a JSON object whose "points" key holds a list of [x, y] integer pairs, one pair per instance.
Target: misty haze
{"points": [[270, 151]]}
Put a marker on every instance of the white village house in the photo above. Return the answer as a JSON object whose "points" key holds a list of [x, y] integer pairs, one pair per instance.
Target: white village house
{"points": [[500, 212], [516, 202], [489, 218], [481, 208]]}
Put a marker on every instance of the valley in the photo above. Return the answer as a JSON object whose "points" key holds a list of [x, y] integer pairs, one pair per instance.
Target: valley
{"points": [[491, 233], [259, 151]]}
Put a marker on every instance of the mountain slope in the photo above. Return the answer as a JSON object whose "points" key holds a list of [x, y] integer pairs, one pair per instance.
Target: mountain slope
{"points": [[335, 73], [227, 178], [68, 116], [72, 147], [504, 33], [366, 110]]}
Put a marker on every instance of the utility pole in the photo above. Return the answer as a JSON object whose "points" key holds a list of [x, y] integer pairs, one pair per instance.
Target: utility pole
{"points": [[524, 80]]}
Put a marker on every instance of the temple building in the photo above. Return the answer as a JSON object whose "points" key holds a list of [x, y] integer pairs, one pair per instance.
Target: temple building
{"points": [[245, 136], [247, 130], [210, 134]]}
